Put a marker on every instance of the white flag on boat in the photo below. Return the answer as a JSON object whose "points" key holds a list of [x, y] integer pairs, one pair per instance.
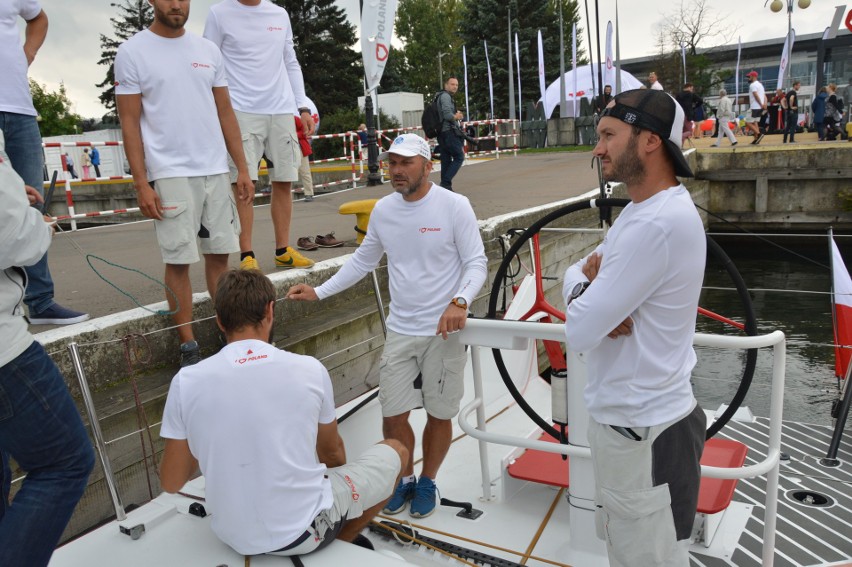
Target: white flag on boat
{"points": [[609, 76], [376, 33], [541, 82], [842, 296], [785, 59]]}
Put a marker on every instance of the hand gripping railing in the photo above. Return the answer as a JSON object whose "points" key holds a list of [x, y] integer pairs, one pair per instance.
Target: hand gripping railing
{"points": [[513, 335]]}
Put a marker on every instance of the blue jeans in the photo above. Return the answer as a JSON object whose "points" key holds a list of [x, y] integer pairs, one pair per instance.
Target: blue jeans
{"points": [[41, 429], [452, 156], [23, 147], [790, 124], [820, 128]]}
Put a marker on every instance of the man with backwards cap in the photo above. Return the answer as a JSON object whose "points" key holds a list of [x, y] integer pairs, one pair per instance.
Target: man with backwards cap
{"points": [[631, 307], [436, 266]]}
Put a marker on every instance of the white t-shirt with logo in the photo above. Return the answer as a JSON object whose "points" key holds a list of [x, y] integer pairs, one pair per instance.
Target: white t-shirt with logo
{"points": [[756, 87], [250, 415], [14, 87], [180, 125], [435, 253], [257, 44]]}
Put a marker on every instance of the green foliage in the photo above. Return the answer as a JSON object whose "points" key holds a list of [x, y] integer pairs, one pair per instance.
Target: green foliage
{"points": [[133, 16], [323, 37], [343, 120], [54, 111]]}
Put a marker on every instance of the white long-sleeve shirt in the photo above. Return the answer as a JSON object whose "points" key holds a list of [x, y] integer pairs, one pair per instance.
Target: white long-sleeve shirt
{"points": [[264, 76], [652, 269], [435, 253]]}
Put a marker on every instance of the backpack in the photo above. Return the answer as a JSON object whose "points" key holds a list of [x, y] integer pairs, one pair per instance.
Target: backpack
{"points": [[432, 119]]}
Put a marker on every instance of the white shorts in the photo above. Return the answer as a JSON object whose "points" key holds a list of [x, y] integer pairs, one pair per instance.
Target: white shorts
{"points": [[753, 115], [272, 135], [355, 487], [437, 362], [196, 206]]}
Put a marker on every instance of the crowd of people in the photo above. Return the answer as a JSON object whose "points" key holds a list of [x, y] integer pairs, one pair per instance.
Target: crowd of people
{"points": [[194, 140]]}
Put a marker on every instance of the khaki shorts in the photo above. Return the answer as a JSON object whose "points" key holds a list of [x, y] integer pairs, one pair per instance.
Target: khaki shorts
{"points": [[355, 487], [272, 135], [196, 206], [753, 116], [439, 363]]}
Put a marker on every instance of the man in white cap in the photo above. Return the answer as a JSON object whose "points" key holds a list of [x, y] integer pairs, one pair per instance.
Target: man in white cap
{"points": [[436, 265], [756, 105], [631, 307]]}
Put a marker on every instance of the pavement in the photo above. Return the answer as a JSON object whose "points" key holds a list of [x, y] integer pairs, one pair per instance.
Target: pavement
{"points": [[494, 187]]}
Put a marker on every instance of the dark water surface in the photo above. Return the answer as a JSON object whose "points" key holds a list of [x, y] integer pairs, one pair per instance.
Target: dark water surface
{"points": [[780, 280]]}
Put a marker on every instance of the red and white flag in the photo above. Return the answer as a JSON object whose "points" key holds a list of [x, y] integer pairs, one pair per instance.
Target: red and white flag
{"points": [[842, 298], [376, 34]]}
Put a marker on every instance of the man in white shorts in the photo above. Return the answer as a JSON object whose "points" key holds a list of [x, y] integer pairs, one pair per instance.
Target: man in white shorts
{"points": [[289, 491], [756, 106], [179, 127], [631, 307], [267, 88], [436, 266]]}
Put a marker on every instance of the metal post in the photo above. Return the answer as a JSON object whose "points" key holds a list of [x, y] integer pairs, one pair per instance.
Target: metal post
{"points": [[481, 422], [563, 111], [441, 70], [373, 177], [511, 73], [377, 290], [830, 459], [96, 432]]}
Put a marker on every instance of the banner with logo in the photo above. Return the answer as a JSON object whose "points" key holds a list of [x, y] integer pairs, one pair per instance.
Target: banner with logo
{"points": [[466, 101], [541, 81], [377, 20], [518, 62], [737, 73], [490, 83], [683, 55], [609, 73], [786, 55]]}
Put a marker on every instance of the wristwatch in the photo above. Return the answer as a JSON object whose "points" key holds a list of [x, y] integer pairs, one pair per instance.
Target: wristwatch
{"points": [[577, 291], [459, 302]]}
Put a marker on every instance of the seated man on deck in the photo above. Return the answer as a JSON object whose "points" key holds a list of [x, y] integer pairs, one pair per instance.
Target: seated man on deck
{"points": [[260, 424]]}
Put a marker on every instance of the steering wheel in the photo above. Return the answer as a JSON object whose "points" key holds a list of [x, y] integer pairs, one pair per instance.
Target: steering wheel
{"points": [[713, 249]]}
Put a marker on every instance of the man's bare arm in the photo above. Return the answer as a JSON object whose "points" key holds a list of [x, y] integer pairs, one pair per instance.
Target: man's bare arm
{"points": [[34, 36]]}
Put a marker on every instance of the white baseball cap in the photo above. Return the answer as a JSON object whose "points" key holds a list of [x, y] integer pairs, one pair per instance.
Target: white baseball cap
{"points": [[408, 145]]}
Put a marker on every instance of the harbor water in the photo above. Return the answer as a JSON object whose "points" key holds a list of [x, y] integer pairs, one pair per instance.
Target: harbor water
{"points": [[790, 285]]}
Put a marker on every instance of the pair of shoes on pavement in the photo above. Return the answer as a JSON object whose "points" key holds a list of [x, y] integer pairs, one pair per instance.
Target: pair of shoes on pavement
{"points": [[55, 314], [327, 241], [190, 353], [292, 259], [308, 198], [249, 263], [421, 493]]}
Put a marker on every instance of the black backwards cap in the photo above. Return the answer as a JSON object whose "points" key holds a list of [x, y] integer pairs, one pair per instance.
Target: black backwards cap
{"points": [[658, 112]]}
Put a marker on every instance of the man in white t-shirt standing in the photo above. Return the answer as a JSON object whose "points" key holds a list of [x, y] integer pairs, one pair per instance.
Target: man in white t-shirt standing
{"points": [[653, 82], [756, 106], [436, 266], [260, 423], [267, 89], [631, 307], [179, 128]]}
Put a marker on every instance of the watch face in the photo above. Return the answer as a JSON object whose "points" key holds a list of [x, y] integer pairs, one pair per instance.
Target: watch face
{"points": [[578, 289], [460, 301]]}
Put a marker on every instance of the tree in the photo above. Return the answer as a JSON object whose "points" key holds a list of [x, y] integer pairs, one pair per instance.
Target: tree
{"points": [[134, 16], [323, 38], [54, 110], [487, 20]]}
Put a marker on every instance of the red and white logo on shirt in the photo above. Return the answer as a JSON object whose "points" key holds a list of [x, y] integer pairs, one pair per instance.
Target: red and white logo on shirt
{"points": [[196, 65], [425, 229], [274, 28], [250, 357]]}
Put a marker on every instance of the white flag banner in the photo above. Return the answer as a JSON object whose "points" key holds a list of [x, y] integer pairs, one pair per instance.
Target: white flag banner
{"points": [[541, 82], [574, 64], [466, 101], [490, 82], [785, 57], [737, 73], [609, 77], [683, 55], [376, 33], [518, 62]]}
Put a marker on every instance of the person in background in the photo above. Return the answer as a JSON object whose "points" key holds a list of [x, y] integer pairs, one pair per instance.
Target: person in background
{"points": [[96, 161], [833, 115], [689, 101], [757, 106], [604, 99], [653, 83], [450, 136], [305, 177], [631, 307], [39, 425], [260, 424], [724, 115], [791, 120], [416, 224], [362, 141], [847, 101], [69, 163], [86, 164], [818, 108]]}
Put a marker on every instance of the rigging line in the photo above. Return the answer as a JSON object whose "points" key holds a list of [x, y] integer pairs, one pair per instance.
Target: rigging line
{"points": [[420, 542], [89, 257], [766, 240], [773, 290], [542, 526], [779, 235]]}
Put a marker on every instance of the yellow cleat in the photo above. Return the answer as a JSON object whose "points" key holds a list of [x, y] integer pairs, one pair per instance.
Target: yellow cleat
{"points": [[292, 259], [249, 263]]}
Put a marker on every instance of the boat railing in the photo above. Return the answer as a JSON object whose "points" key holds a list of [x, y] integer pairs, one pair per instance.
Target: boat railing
{"points": [[514, 335]]}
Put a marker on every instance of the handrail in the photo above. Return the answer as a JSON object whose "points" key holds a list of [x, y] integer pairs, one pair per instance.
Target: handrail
{"points": [[504, 334]]}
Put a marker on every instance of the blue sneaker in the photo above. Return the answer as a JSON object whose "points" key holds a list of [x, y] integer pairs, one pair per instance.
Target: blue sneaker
{"points": [[401, 496], [57, 315], [424, 499]]}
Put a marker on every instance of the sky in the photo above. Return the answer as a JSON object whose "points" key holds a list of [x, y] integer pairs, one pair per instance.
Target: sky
{"points": [[72, 48]]}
